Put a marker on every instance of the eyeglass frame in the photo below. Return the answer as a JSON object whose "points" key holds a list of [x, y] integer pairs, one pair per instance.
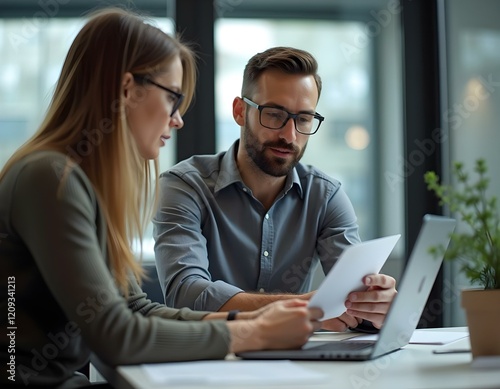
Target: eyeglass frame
{"points": [[179, 96], [294, 116]]}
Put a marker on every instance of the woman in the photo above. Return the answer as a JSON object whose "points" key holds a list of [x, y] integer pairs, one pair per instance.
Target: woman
{"points": [[73, 198]]}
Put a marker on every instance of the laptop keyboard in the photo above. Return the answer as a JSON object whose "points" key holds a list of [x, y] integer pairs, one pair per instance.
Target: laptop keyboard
{"points": [[344, 346]]}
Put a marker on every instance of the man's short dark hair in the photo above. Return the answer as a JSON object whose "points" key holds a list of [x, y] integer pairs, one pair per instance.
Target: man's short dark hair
{"points": [[288, 60]]}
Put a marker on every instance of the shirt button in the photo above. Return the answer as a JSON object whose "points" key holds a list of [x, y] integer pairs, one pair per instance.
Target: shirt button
{"points": [[267, 216], [261, 290], [245, 190], [266, 254]]}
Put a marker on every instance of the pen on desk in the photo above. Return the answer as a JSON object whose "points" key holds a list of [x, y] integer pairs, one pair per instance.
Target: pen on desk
{"points": [[451, 351]]}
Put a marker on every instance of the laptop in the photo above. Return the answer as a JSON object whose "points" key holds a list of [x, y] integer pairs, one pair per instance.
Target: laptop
{"points": [[404, 313]]}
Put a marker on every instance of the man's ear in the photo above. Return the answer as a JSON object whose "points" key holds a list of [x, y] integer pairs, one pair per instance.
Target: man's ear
{"points": [[239, 107]]}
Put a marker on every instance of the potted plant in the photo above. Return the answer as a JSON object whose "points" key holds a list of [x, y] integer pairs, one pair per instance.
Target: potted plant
{"points": [[477, 250]]}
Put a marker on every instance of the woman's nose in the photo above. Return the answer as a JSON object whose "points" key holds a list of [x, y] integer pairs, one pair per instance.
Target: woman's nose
{"points": [[176, 120]]}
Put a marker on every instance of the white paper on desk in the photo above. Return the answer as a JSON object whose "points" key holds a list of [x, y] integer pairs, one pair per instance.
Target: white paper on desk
{"points": [[200, 373], [424, 337], [436, 337], [486, 362], [347, 274]]}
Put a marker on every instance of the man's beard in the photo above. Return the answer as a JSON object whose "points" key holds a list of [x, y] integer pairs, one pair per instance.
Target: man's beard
{"points": [[274, 166]]}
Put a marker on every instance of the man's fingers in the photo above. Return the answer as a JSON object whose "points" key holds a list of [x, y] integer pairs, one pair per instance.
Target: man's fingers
{"points": [[377, 319], [355, 309], [349, 320], [372, 296], [373, 304], [341, 323], [381, 280], [335, 325]]}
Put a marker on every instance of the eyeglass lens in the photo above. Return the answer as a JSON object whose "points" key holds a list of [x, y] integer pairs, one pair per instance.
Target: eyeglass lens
{"points": [[275, 118], [175, 97]]}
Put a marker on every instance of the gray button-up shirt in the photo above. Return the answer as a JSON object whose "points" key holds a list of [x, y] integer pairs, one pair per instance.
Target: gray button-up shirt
{"points": [[214, 239]]}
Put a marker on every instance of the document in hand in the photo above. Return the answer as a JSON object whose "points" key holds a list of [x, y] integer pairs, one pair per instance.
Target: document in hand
{"points": [[347, 274]]}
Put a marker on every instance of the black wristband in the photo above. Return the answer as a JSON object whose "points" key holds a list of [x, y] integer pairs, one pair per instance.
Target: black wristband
{"points": [[232, 314]]}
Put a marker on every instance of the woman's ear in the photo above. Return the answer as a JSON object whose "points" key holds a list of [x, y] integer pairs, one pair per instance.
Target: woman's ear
{"points": [[127, 84], [239, 111]]}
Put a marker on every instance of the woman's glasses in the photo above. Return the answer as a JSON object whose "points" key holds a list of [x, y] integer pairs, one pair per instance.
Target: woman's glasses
{"points": [[176, 96]]}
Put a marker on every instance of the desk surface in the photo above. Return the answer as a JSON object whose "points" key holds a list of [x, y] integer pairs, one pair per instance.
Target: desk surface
{"points": [[414, 366]]}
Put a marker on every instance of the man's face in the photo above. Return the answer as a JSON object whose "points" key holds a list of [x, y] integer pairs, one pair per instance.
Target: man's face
{"points": [[276, 152]]}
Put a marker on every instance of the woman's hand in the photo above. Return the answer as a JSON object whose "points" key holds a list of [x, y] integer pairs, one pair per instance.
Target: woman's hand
{"points": [[281, 325]]}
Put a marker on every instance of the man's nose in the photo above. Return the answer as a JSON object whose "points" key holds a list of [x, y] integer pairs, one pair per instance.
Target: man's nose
{"points": [[288, 132]]}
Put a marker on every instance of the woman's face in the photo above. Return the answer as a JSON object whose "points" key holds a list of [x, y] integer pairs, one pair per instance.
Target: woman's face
{"points": [[149, 108]]}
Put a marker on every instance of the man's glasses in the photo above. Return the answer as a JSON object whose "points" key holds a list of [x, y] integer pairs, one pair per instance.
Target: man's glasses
{"points": [[176, 96], [276, 118]]}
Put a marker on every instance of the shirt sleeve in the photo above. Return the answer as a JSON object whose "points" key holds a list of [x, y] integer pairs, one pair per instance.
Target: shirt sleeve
{"points": [[181, 249], [339, 229], [56, 217]]}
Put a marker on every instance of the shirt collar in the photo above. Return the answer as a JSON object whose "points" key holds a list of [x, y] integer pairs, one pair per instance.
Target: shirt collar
{"points": [[229, 173]]}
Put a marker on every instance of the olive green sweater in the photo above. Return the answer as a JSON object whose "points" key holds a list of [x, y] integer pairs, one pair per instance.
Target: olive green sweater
{"points": [[58, 299]]}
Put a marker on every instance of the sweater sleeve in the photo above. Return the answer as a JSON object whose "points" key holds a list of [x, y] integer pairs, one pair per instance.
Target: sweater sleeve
{"points": [[138, 302], [56, 218]]}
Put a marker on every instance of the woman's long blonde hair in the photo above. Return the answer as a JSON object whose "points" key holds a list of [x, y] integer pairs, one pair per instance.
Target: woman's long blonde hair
{"points": [[86, 121]]}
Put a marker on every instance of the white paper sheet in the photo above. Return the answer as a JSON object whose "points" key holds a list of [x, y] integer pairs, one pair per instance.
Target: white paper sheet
{"points": [[201, 373], [423, 336], [347, 274]]}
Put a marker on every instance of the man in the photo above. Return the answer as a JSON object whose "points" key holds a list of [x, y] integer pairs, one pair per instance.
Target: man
{"points": [[243, 228]]}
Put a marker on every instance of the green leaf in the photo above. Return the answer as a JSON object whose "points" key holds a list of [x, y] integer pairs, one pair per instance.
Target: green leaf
{"points": [[478, 250]]}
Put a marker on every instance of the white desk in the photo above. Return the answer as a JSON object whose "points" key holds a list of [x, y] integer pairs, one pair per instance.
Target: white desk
{"points": [[414, 366]]}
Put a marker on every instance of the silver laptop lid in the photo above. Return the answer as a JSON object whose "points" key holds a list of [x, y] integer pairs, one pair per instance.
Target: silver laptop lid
{"points": [[415, 286]]}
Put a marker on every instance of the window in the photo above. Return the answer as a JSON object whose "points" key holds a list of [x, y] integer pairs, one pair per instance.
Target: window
{"points": [[345, 145], [29, 70]]}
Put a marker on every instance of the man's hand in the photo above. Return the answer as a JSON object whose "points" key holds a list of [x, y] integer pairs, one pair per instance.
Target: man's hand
{"points": [[341, 323], [372, 304]]}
